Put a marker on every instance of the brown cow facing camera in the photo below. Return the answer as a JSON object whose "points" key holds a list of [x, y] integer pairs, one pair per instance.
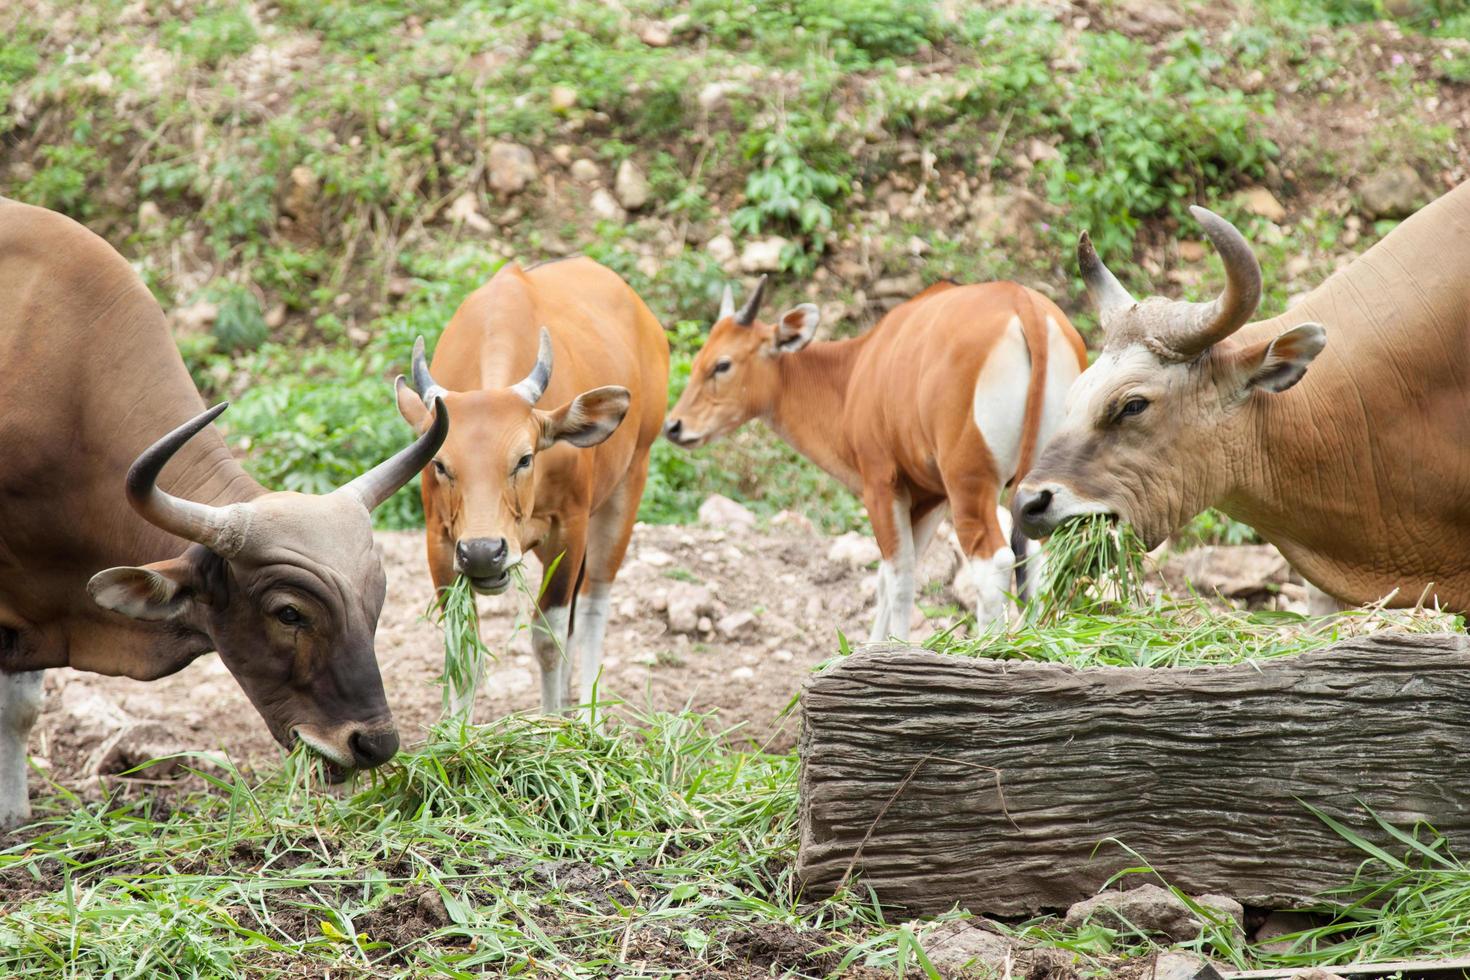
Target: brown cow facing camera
{"points": [[557, 377]]}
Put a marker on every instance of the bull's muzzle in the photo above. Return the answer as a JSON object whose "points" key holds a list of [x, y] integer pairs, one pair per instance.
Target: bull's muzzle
{"points": [[1032, 509], [486, 562]]}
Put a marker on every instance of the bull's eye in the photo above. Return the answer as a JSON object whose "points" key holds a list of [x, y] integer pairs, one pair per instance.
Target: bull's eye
{"points": [[523, 463], [290, 616], [1131, 407], [440, 469], [722, 366]]}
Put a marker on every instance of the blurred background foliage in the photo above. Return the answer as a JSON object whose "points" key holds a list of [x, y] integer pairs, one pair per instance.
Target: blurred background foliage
{"points": [[307, 186]]}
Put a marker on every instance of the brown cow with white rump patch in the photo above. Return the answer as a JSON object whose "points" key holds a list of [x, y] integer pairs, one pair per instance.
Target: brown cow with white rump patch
{"points": [[286, 586], [1357, 469], [566, 482], [937, 408]]}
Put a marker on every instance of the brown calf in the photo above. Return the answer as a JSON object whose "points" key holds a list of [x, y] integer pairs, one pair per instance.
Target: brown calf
{"points": [[937, 408], [564, 483]]}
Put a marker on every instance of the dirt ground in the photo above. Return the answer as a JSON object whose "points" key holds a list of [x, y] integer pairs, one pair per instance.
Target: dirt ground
{"points": [[761, 608], [798, 597]]}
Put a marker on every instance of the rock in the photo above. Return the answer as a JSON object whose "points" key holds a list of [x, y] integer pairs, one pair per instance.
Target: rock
{"points": [[742, 674], [794, 519], [783, 656], [722, 512], [150, 218], [714, 95], [1393, 193], [511, 167], [1151, 17], [606, 207], [704, 625], [736, 624], [275, 317], [302, 193], [88, 716], [1260, 202], [1284, 923], [1230, 911], [854, 549], [763, 255], [1148, 908], [721, 249], [1190, 251], [1174, 965], [562, 153], [1246, 573], [631, 186], [656, 558], [137, 745], [195, 319], [586, 171], [687, 605], [563, 98], [465, 210], [961, 945], [656, 35], [899, 286]]}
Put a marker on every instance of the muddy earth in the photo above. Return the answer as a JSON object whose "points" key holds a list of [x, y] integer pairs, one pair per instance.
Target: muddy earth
{"points": [[726, 620]]}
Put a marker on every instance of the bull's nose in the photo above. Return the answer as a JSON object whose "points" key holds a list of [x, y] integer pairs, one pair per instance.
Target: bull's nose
{"points": [[1030, 508], [481, 557], [674, 429], [372, 750]]}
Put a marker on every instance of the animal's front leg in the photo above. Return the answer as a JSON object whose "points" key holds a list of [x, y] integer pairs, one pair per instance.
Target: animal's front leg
{"points": [[549, 642], [588, 634], [20, 706], [550, 635]]}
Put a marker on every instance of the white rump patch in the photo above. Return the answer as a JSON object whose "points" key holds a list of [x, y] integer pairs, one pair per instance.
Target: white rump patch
{"points": [[1000, 399]]}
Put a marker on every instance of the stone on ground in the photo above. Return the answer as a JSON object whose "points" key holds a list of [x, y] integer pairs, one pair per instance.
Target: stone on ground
{"points": [[722, 512], [1147, 908]]}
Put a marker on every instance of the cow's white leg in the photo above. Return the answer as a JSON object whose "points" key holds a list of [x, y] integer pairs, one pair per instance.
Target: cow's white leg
{"points": [[992, 577], [20, 706], [587, 636], [549, 643], [880, 610], [901, 598], [925, 528]]}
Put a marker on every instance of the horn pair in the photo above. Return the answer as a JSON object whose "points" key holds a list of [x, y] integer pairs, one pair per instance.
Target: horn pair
{"points": [[1187, 328], [530, 388], [746, 315], [223, 529]]}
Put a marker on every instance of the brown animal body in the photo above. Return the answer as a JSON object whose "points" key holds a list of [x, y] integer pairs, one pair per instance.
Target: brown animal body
{"points": [[564, 483], [1357, 469], [287, 587], [936, 409]]}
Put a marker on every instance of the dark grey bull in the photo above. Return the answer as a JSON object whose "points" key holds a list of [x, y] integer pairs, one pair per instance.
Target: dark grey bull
{"points": [[286, 586]]}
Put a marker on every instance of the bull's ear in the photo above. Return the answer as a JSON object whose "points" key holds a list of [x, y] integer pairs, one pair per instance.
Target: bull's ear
{"points": [[411, 406], [587, 419], [1278, 364], [162, 590], [796, 328]]}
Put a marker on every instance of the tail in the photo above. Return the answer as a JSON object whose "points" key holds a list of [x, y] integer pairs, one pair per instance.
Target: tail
{"points": [[1034, 331]]}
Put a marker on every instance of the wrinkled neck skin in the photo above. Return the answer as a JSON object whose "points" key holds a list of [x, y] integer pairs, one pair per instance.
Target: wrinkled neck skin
{"points": [[811, 397]]}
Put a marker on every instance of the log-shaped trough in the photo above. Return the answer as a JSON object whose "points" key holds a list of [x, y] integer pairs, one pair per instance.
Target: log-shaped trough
{"points": [[1011, 788]]}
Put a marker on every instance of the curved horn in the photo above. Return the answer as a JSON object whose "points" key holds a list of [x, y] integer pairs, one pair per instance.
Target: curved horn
{"points": [[221, 529], [727, 303], [1106, 291], [423, 382], [1206, 324], [533, 385], [385, 479], [752, 306]]}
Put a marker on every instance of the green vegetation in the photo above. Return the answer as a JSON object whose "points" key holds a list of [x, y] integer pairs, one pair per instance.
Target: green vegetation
{"points": [[303, 167]]}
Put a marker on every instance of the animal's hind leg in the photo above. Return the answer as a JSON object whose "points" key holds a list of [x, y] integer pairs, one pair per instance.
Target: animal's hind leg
{"points": [[888, 510], [20, 706], [971, 485], [608, 533]]}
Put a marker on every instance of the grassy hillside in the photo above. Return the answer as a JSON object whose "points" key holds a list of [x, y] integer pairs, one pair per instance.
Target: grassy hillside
{"points": [[308, 185]]}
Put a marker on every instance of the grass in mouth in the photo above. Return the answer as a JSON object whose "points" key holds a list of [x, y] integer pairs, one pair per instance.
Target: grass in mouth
{"points": [[1092, 563]]}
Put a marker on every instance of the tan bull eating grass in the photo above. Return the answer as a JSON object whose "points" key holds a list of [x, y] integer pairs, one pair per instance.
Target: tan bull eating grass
{"points": [[103, 569], [1357, 469]]}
